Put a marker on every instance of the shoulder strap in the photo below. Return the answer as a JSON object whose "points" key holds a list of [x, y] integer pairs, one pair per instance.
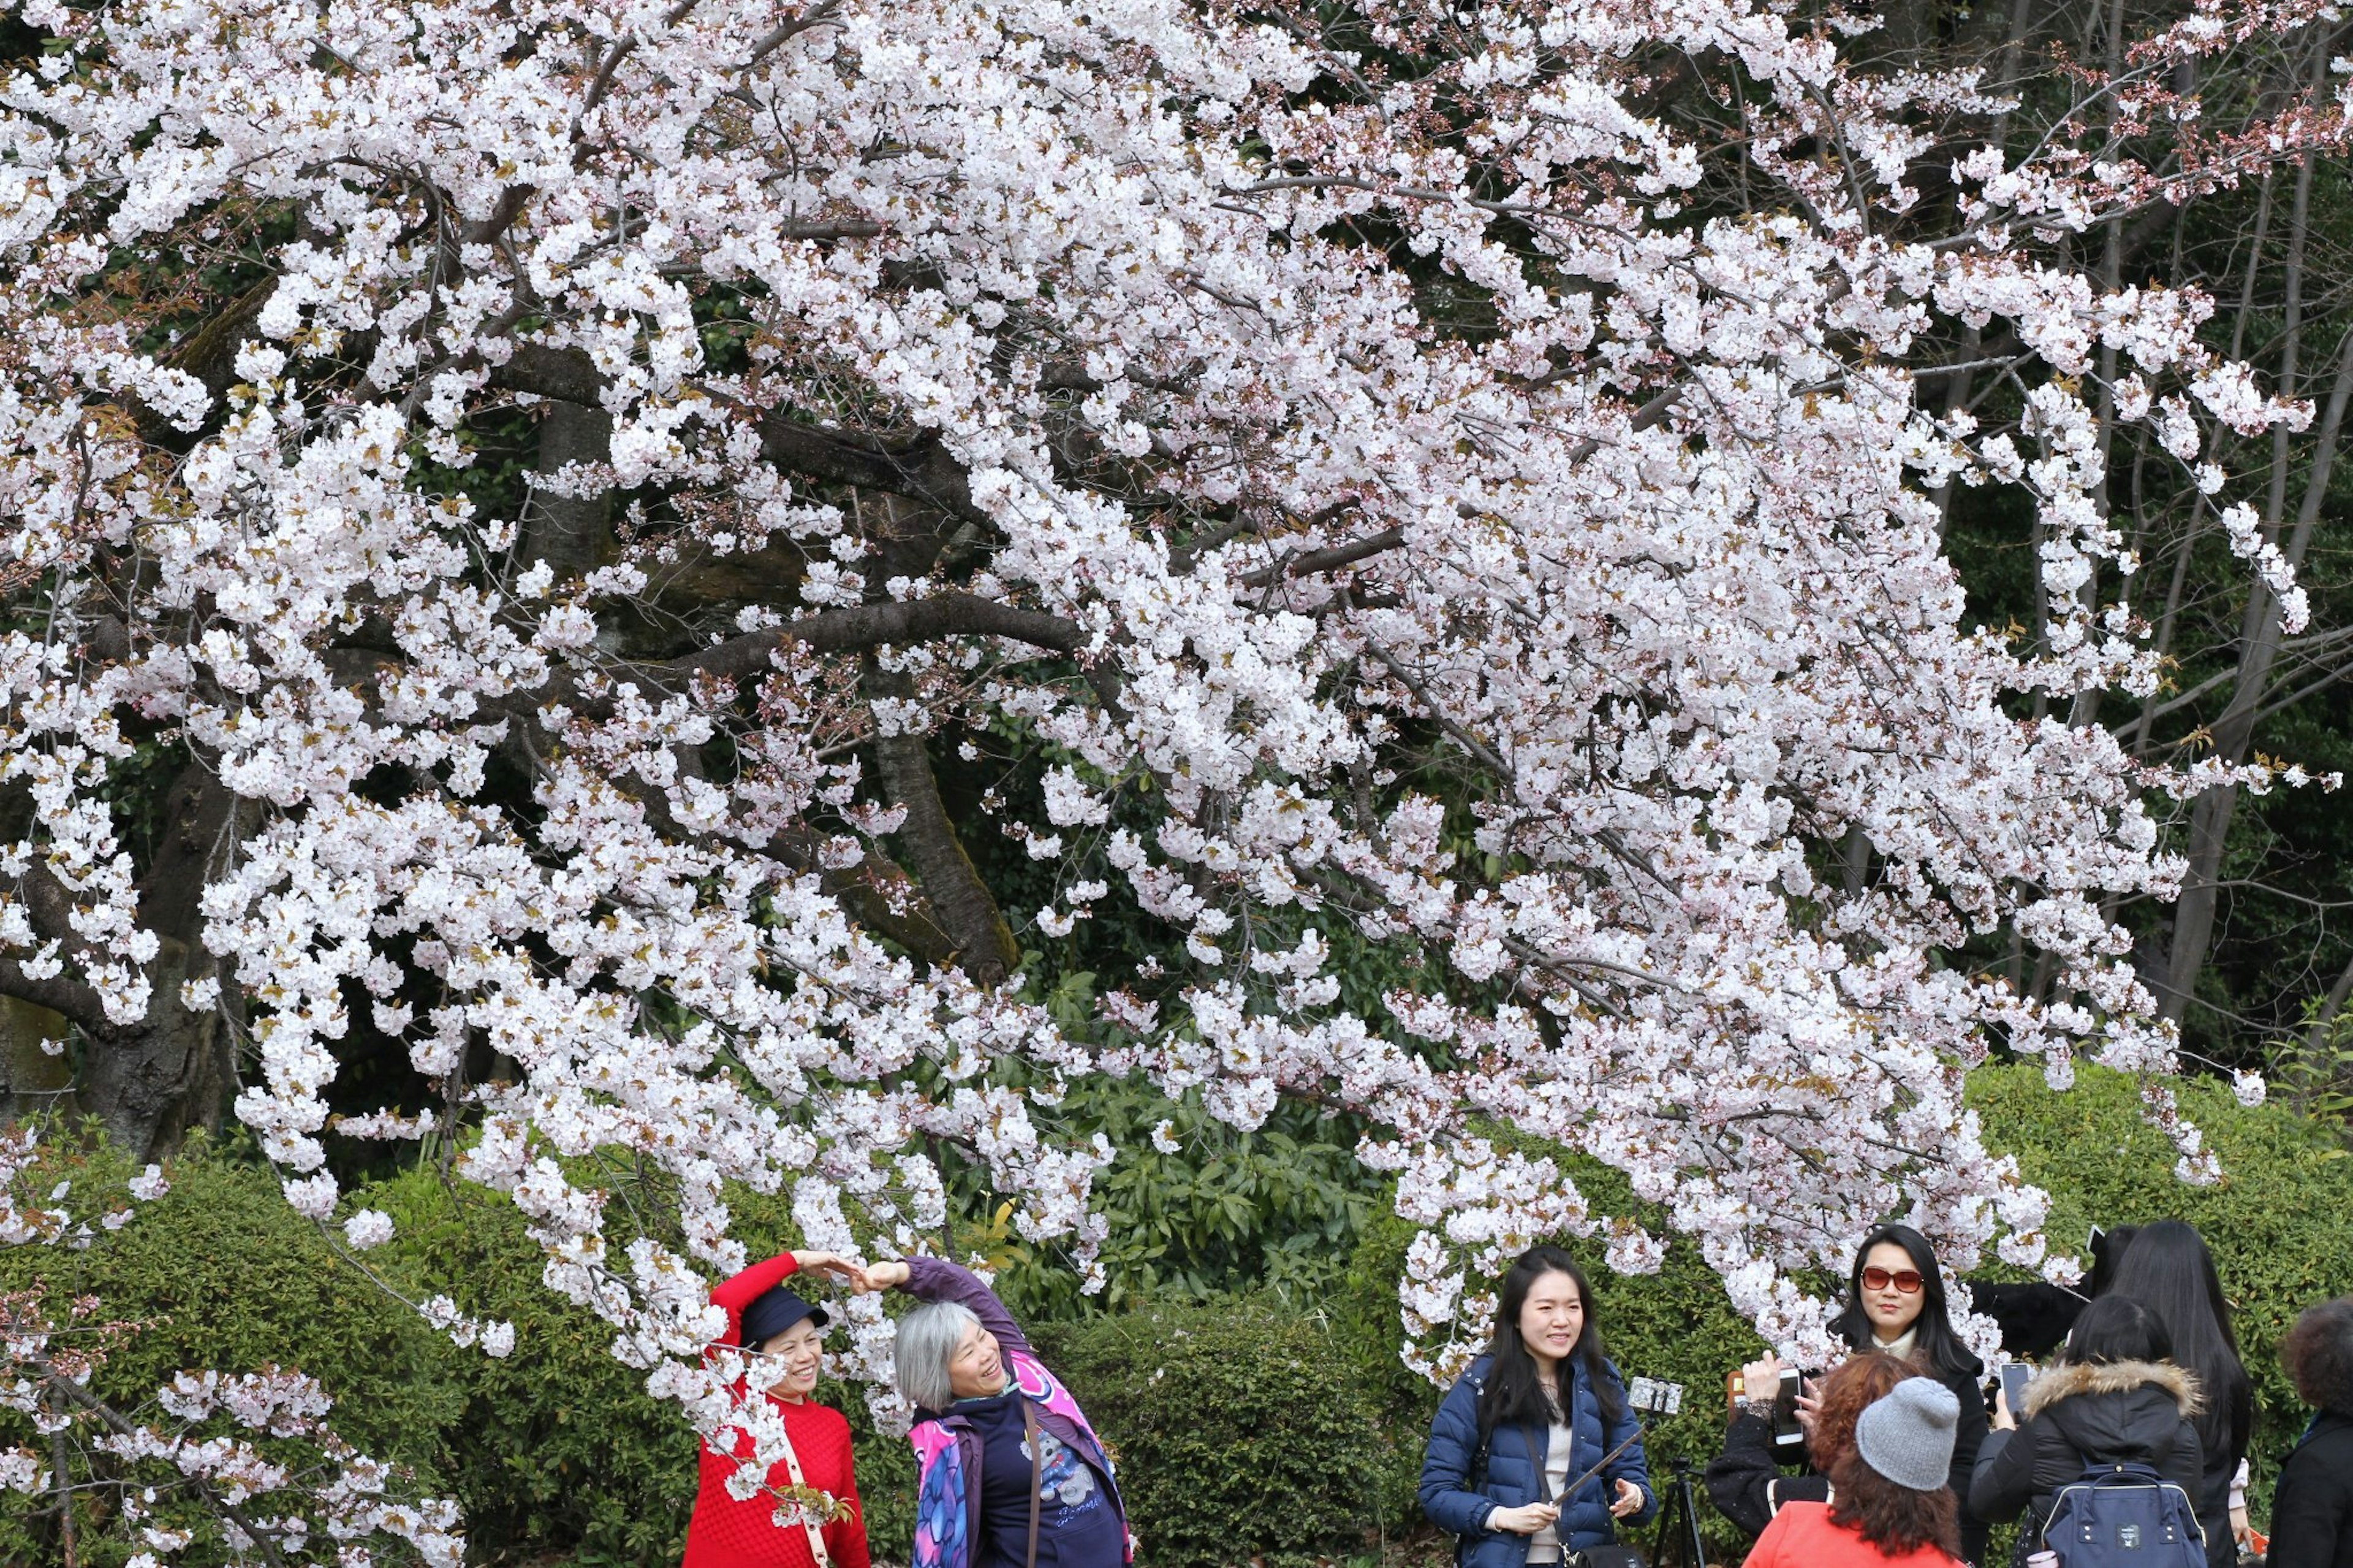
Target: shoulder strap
{"points": [[1037, 1476], [1535, 1463], [816, 1533]]}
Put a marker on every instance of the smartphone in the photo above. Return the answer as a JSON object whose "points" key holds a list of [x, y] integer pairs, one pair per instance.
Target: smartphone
{"points": [[2015, 1376], [1787, 1433]]}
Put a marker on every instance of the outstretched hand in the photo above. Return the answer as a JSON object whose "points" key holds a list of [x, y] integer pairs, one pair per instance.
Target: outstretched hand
{"points": [[860, 1279], [831, 1264], [881, 1275]]}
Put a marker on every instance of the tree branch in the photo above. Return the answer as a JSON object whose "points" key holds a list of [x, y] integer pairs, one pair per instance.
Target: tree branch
{"points": [[897, 621], [960, 900]]}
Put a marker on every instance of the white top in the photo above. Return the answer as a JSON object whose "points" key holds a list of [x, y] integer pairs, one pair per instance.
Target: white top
{"points": [[1544, 1546], [1900, 1345]]}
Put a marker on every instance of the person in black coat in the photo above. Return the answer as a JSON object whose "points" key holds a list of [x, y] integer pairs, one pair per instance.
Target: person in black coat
{"points": [[2311, 1513], [1747, 1483], [1895, 1303], [2168, 1269], [2112, 1399]]}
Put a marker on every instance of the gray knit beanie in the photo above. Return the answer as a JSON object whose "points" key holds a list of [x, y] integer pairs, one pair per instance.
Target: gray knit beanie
{"points": [[1908, 1436]]}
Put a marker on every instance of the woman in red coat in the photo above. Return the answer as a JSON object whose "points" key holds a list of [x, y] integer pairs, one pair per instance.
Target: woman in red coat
{"points": [[1891, 1506], [784, 1334]]}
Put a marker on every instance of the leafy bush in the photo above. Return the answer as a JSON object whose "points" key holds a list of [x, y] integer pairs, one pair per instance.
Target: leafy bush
{"points": [[222, 1274], [1239, 1428], [2280, 1223], [1223, 1212], [557, 1443]]}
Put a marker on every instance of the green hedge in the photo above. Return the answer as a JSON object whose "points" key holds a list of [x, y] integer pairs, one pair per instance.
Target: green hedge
{"points": [[557, 1443], [1243, 1433], [222, 1274]]}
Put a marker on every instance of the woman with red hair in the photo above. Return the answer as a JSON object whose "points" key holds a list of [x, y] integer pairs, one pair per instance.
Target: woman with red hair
{"points": [[1888, 1457]]}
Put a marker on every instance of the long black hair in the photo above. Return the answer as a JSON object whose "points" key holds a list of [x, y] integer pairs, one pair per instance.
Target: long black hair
{"points": [[2168, 1271], [1937, 1346], [1515, 1395], [2117, 1328]]}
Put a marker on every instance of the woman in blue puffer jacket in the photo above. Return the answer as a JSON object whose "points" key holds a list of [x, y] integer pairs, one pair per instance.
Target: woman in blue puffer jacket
{"points": [[1540, 1408]]}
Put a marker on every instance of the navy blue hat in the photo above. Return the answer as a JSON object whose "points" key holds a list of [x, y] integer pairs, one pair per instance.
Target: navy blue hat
{"points": [[774, 1313]]}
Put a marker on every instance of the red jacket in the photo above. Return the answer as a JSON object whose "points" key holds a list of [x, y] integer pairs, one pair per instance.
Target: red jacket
{"points": [[726, 1533], [1803, 1536]]}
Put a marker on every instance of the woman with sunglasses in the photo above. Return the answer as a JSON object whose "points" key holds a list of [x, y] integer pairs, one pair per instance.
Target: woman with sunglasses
{"points": [[1895, 1303]]}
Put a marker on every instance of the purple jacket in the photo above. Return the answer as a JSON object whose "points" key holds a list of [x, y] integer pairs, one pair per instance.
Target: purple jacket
{"points": [[948, 1451]]}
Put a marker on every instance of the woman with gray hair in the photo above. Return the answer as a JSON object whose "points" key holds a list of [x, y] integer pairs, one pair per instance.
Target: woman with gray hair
{"points": [[1011, 1474]]}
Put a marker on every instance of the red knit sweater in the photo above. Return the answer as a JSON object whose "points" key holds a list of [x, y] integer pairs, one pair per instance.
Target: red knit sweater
{"points": [[731, 1534]]}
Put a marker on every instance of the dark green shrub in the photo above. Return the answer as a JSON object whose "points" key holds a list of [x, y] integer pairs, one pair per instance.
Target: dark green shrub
{"points": [[224, 1274], [557, 1444], [1241, 1430], [2280, 1223]]}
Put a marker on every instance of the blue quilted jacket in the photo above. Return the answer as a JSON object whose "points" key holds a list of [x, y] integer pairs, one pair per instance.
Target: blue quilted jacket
{"points": [[1514, 1462]]}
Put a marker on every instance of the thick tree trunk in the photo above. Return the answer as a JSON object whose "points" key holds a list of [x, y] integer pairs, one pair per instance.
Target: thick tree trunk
{"points": [[149, 1083], [154, 1083], [36, 1072], [567, 532]]}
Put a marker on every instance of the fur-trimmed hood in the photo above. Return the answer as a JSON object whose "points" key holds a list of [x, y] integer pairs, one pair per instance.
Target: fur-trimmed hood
{"points": [[2067, 1381]]}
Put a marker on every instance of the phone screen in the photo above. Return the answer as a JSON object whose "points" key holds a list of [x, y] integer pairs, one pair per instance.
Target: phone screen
{"points": [[2015, 1376], [1786, 1430]]}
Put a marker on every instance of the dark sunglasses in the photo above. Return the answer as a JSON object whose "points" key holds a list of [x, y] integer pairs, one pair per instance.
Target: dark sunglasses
{"points": [[1906, 1281]]}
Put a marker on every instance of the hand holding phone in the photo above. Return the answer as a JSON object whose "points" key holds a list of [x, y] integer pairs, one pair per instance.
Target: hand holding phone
{"points": [[2010, 1395]]}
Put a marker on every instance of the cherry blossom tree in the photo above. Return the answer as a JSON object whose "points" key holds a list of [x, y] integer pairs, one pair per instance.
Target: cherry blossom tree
{"points": [[1407, 494]]}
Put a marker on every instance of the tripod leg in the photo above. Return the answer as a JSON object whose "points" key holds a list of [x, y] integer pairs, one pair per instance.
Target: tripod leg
{"points": [[1689, 1505], [1679, 1524]]}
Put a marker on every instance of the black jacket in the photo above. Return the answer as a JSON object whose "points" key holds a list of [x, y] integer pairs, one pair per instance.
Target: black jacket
{"points": [[2129, 1412], [1968, 1439], [1747, 1482], [2223, 1432], [2311, 1513]]}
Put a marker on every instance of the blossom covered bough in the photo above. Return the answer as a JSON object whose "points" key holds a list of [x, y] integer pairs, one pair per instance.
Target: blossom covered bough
{"points": [[1409, 497]]}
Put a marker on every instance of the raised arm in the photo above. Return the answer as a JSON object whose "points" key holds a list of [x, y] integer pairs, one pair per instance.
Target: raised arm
{"points": [[937, 1279], [2001, 1483], [734, 1295]]}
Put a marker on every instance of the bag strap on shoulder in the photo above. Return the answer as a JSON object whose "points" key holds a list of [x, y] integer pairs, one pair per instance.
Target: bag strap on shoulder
{"points": [[1037, 1476]]}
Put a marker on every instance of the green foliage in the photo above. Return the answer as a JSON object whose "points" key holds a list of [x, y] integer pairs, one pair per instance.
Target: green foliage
{"points": [[1241, 1430], [1280, 1208], [557, 1442], [2280, 1223], [222, 1274]]}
